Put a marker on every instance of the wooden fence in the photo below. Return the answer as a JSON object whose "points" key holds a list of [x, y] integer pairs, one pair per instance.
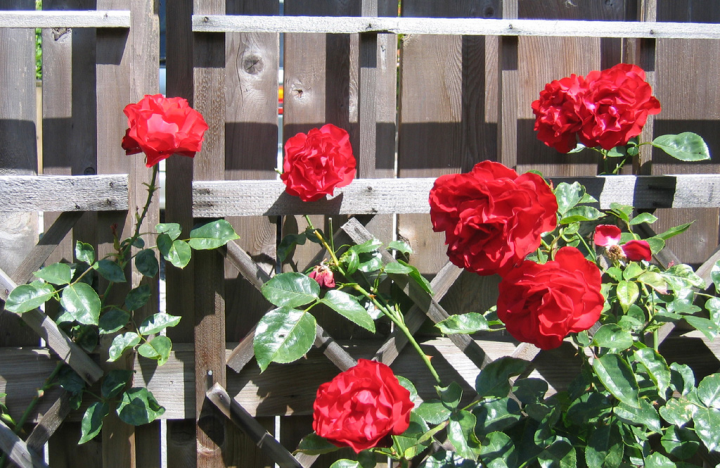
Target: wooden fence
{"points": [[422, 93]]}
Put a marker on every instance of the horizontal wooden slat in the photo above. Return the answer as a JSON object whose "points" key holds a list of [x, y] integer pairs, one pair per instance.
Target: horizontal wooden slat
{"points": [[453, 26], [402, 196], [64, 193], [65, 19]]}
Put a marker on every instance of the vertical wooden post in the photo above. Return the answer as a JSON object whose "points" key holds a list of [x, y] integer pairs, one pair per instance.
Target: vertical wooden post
{"points": [[209, 164], [508, 90], [18, 231]]}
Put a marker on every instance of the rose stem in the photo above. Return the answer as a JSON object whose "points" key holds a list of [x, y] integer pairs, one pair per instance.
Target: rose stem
{"points": [[395, 319], [33, 403]]}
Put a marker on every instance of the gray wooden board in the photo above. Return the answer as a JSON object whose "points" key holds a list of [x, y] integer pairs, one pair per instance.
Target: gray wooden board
{"points": [[17, 450], [64, 193], [410, 195], [454, 26], [65, 19]]}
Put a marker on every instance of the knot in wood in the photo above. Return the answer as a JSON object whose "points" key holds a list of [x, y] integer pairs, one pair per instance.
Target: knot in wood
{"points": [[489, 12], [253, 64]]}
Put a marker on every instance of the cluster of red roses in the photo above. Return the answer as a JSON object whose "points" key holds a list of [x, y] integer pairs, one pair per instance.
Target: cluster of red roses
{"points": [[606, 108]]}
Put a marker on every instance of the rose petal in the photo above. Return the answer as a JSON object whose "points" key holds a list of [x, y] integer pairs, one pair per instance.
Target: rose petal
{"points": [[637, 250], [607, 235]]}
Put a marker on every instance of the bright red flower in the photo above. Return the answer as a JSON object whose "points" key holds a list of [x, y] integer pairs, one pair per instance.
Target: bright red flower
{"points": [[618, 103], [542, 303], [491, 216], [318, 162], [558, 112], [161, 127], [608, 235], [362, 407]]}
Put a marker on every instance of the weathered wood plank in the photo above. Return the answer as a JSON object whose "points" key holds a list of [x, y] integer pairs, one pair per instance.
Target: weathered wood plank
{"points": [[49, 423], [17, 450], [455, 26], [64, 193], [239, 416], [410, 195], [65, 19]]}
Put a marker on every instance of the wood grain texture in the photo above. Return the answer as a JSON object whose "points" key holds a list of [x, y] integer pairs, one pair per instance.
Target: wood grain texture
{"points": [[65, 452], [49, 423], [65, 19], [17, 451], [61, 193], [379, 196]]}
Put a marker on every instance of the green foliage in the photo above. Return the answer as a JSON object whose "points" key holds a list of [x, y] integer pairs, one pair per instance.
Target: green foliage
{"points": [[686, 146]]}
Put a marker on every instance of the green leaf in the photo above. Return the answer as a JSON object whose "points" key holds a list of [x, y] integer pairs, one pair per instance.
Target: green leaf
{"points": [[643, 218], [450, 395], [138, 297], [370, 262], [577, 149], [69, 380], [84, 252], [433, 411], [612, 336], [418, 277], [686, 272], [291, 290], [604, 448], [176, 252], [622, 211], [172, 230], [654, 280], [120, 343], [615, 273], [212, 235], [57, 273], [658, 460], [559, 454], [146, 263], [680, 442], [618, 378], [112, 320], [678, 411], [351, 261], [581, 213], [287, 244], [674, 231], [82, 302], [27, 297], [627, 293], [496, 415], [715, 275], [686, 146], [400, 246], [568, 196], [349, 307], [530, 390], [682, 378], [313, 444], [158, 348], [345, 463], [707, 327], [646, 415], [707, 427], [461, 435], [588, 407], [408, 385], [110, 270], [115, 381], [713, 307], [657, 367], [395, 268], [158, 322], [632, 270], [471, 322], [138, 407], [656, 244], [371, 245], [497, 451], [708, 391], [139, 243], [92, 421], [283, 335], [493, 379]]}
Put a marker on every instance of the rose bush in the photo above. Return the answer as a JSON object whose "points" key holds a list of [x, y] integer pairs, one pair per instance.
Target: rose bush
{"points": [[609, 235], [542, 303], [161, 127], [492, 218], [362, 407], [316, 163]]}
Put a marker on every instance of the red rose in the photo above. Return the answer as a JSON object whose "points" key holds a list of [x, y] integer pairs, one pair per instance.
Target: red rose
{"points": [[362, 407], [161, 127], [492, 218], [608, 235], [542, 303], [558, 112], [318, 162], [323, 276], [617, 106]]}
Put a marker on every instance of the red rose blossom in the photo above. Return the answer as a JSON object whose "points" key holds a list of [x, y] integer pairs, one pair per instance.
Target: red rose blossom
{"points": [[608, 235], [617, 106], [542, 303], [318, 162], [557, 112], [323, 276], [161, 127], [492, 218], [362, 407]]}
